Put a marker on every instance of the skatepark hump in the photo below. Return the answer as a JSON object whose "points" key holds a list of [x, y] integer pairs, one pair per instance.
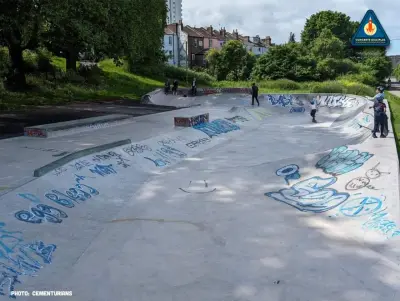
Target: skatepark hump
{"points": [[258, 204]]}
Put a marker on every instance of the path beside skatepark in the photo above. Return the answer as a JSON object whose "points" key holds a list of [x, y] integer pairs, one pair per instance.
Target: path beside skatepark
{"points": [[258, 204]]}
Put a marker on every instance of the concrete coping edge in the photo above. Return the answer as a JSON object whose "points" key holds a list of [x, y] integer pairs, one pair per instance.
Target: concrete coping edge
{"points": [[76, 155]]}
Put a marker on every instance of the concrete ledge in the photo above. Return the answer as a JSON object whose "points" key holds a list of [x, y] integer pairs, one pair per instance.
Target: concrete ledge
{"points": [[76, 155], [46, 130], [192, 120]]}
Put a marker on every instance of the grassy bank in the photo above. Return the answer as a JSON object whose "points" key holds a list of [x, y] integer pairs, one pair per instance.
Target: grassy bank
{"points": [[114, 82], [394, 104]]}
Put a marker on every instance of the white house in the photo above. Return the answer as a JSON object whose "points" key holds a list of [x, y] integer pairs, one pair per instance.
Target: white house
{"points": [[171, 44]]}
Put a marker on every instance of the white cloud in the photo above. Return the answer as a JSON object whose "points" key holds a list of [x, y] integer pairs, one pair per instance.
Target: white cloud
{"points": [[277, 18]]}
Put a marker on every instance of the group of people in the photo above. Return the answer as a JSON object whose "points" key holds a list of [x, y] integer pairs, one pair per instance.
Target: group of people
{"points": [[167, 87]]}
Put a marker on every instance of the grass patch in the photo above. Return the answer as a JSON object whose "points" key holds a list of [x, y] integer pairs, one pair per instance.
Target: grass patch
{"points": [[394, 105]]}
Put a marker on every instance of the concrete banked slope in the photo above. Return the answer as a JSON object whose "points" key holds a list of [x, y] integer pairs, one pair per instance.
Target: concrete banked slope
{"points": [[260, 204]]}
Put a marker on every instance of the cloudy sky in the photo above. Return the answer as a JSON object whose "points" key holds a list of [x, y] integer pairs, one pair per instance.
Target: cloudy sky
{"points": [[277, 18]]}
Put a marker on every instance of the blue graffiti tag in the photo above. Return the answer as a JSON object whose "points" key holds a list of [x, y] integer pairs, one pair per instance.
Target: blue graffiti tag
{"points": [[216, 127], [103, 170], [341, 160], [18, 258], [289, 172], [311, 195], [297, 110], [361, 206], [378, 221], [280, 100]]}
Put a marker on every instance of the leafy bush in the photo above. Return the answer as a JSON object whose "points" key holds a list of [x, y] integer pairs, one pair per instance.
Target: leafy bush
{"points": [[281, 84], [91, 72], [30, 61], [44, 61], [359, 89], [4, 63], [363, 77], [180, 74], [328, 87], [73, 77]]}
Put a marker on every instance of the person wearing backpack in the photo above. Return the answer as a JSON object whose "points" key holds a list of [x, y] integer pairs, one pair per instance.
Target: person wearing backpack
{"points": [[175, 87]]}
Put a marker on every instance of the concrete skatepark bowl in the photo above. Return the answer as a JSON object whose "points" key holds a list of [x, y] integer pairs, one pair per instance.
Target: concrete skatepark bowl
{"points": [[257, 204]]}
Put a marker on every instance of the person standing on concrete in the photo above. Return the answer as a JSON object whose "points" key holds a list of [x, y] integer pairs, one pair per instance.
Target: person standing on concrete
{"points": [[175, 87], [313, 104], [194, 87], [254, 94], [379, 111], [167, 86]]}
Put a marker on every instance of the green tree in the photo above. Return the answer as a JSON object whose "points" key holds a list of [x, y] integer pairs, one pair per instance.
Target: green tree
{"points": [[326, 45], [376, 60], [396, 72], [232, 62], [290, 61], [20, 26], [338, 23]]}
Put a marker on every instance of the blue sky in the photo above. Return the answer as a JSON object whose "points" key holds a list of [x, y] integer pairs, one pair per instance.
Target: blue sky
{"points": [[277, 18]]}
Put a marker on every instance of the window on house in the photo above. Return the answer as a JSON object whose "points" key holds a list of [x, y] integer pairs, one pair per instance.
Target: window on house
{"points": [[193, 56], [195, 42], [210, 43], [170, 40], [200, 43], [259, 49]]}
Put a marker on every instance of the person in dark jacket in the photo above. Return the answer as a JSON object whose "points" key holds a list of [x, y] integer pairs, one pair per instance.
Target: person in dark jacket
{"points": [[175, 87], [167, 86], [194, 87], [254, 94], [380, 116]]}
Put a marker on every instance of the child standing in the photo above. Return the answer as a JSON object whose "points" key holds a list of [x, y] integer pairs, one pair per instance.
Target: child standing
{"points": [[313, 104]]}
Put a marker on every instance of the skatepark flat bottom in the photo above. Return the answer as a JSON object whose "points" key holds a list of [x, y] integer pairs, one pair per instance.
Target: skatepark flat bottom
{"points": [[258, 204]]}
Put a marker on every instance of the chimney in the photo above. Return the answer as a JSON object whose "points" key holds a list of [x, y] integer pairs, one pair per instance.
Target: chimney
{"points": [[224, 31], [210, 30], [181, 24], [268, 41], [237, 34]]}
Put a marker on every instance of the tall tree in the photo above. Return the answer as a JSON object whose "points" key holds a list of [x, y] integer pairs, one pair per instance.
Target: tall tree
{"points": [[326, 45], [20, 26], [338, 23]]}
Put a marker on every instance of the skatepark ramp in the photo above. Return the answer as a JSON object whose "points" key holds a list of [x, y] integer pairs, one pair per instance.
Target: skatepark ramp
{"points": [[255, 204]]}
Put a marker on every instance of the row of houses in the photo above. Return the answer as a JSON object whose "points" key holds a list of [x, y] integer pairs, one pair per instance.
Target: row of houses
{"points": [[187, 46]]}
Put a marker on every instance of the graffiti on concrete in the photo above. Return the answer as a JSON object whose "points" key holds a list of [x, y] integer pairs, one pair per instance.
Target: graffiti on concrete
{"points": [[30, 197], [18, 258], [111, 155], [170, 141], [334, 101], [342, 160], [289, 172], [361, 206], [297, 110], [191, 121], [260, 113], [80, 164], [35, 133], [41, 213], [280, 100], [103, 170], [236, 119], [136, 149], [379, 221], [196, 143], [311, 195], [217, 127], [199, 187], [58, 171], [362, 182]]}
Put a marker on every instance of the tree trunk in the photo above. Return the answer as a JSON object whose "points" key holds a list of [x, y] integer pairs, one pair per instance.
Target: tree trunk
{"points": [[71, 59], [17, 78]]}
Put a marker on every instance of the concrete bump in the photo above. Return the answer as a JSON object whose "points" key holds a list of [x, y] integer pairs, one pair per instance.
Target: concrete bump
{"points": [[47, 130], [76, 155]]}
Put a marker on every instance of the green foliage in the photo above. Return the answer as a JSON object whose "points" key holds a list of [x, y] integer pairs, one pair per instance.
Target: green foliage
{"points": [[181, 74], [330, 68], [396, 72], [376, 60], [285, 61], [366, 78], [327, 46], [328, 87], [338, 23], [232, 62], [4, 63]]}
